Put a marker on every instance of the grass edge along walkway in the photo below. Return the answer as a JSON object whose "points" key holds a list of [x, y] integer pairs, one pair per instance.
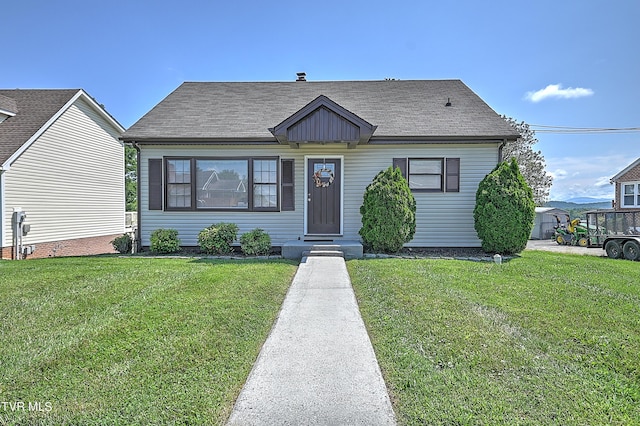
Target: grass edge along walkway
{"points": [[541, 339], [108, 340]]}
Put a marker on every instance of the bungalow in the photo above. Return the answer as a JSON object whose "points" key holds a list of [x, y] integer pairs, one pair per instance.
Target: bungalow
{"points": [[627, 182], [294, 158], [61, 174]]}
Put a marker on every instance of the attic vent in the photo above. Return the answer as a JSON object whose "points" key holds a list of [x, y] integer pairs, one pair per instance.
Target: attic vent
{"points": [[302, 76]]}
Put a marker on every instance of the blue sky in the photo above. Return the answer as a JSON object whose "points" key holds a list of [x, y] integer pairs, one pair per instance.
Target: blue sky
{"points": [[551, 63]]}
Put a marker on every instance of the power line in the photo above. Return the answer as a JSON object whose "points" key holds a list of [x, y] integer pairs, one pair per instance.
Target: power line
{"points": [[540, 128]]}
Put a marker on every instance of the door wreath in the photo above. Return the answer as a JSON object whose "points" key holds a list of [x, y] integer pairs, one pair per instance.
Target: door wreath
{"points": [[320, 177]]}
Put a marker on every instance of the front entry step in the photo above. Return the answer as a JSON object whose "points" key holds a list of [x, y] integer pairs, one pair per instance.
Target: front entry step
{"points": [[323, 253], [296, 249]]}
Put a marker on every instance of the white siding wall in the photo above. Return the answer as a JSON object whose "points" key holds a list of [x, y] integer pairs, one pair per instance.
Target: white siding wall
{"points": [[70, 181], [443, 219]]}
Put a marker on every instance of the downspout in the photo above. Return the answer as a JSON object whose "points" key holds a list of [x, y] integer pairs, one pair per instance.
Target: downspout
{"points": [[138, 210], [504, 142]]}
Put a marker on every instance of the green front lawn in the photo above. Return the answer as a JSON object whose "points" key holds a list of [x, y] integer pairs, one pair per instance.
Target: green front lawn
{"points": [[541, 339], [108, 340]]}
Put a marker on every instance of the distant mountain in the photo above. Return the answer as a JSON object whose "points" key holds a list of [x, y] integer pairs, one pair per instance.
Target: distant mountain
{"points": [[588, 200], [579, 207]]}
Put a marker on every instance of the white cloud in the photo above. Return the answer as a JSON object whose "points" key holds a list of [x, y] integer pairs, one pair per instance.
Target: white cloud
{"points": [[603, 181], [558, 174], [556, 91], [584, 176]]}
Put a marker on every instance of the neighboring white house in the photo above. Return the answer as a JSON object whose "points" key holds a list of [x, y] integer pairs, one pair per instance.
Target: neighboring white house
{"points": [[306, 151], [61, 164]]}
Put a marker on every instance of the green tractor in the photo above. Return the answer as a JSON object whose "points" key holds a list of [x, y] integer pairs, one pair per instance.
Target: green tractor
{"points": [[572, 233]]}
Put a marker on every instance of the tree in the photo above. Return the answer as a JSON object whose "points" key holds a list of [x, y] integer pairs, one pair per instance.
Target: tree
{"points": [[504, 212], [531, 163], [131, 178], [388, 212]]}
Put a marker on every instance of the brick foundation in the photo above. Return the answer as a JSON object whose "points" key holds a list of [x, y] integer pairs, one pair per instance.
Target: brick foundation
{"points": [[77, 247]]}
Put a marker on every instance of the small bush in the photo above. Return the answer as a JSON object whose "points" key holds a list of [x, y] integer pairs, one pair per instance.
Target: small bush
{"points": [[388, 212], [217, 238], [505, 210], [123, 243], [256, 242], [165, 241]]}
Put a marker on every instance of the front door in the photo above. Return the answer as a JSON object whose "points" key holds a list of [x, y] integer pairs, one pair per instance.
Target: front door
{"points": [[324, 204]]}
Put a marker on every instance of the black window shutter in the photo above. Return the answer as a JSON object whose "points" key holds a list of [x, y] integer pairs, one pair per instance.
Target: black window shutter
{"points": [[402, 164], [155, 184], [287, 203], [453, 175]]}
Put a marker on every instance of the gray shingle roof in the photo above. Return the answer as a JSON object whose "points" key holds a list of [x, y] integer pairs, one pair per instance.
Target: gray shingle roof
{"points": [[34, 108], [8, 105], [400, 108]]}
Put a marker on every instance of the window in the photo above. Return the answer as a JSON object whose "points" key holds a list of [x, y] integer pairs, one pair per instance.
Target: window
{"points": [[265, 184], [425, 174], [631, 194], [221, 184], [179, 183], [430, 174]]}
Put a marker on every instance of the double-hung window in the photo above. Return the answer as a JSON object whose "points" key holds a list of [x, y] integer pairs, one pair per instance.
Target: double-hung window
{"points": [[631, 194], [265, 184], [426, 174], [179, 183], [430, 174]]}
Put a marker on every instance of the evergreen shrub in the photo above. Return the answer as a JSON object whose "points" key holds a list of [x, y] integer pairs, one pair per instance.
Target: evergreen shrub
{"points": [[505, 210], [165, 241], [123, 243], [217, 238], [388, 213], [255, 243]]}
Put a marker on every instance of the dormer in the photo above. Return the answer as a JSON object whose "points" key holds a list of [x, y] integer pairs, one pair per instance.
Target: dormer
{"points": [[323, 121], [8, 108]]}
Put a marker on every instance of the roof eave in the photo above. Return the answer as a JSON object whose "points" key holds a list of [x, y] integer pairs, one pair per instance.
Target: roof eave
{"points": [[624, 171], [80, 93], [442, 139], [147, 140], [7, 113]]}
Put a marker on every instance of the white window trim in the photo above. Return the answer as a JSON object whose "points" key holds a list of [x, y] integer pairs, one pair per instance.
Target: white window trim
{"points": [[636, 193]]}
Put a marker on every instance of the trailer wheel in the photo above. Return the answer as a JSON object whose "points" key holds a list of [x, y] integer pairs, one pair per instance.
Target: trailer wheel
{"points": [[582, 242], [631, 250], [613, 249]]}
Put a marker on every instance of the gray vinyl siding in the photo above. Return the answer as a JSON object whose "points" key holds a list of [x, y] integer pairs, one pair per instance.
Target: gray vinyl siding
{"points": [[70, 181], [443, 219]]}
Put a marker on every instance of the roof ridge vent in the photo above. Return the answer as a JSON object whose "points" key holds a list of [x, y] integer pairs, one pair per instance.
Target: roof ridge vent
{"points": [[302, 76]]}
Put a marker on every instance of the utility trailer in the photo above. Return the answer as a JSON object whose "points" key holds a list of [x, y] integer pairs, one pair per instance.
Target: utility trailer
{"points": [[616, 231]]}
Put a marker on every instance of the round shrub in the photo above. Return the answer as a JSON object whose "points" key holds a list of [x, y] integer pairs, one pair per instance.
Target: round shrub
{"points": [[505, 210], [217, 238], [255, 243], [388, 212], [123, 243], [165, 241]]}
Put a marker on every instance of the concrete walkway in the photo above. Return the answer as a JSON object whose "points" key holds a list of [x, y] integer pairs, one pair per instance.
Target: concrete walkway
{"points": [[317, 366]]}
